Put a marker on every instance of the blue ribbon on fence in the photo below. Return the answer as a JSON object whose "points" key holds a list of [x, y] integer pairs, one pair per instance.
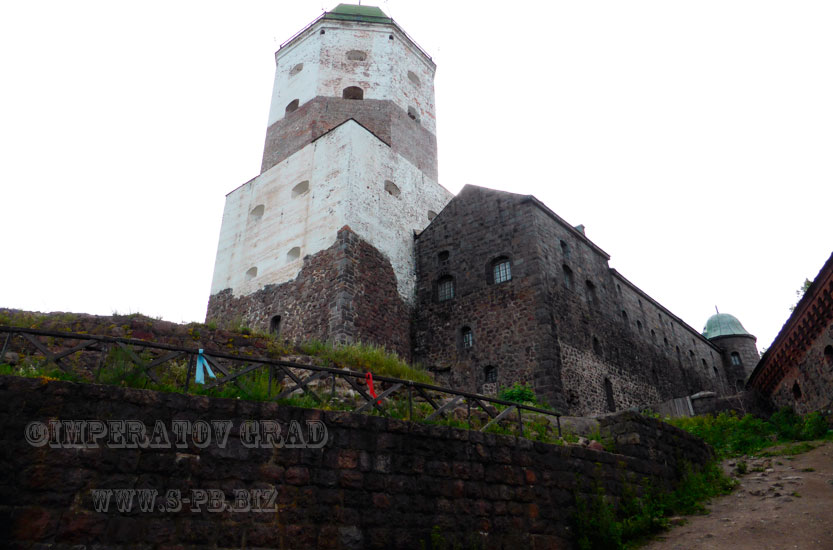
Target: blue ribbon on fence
{"points": [[202, 363]]}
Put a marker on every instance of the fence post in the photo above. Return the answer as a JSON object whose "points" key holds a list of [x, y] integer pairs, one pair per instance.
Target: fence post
{"points": [[520, 421], [188, 372]]}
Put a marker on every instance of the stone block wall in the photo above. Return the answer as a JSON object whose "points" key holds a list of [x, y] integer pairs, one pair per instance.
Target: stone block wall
{"points": [[383, 118], [346, 293], [374, 483]]}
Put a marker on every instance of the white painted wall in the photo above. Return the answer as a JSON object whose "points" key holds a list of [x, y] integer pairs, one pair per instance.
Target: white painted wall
{"points": [[346, 169], [327, 71]]}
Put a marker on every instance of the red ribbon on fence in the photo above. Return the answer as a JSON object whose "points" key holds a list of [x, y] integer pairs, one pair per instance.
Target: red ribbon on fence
{"points": [[368, 377]]}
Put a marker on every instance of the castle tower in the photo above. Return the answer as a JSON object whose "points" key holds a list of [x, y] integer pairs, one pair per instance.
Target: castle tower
{"points": [[740, 354], [350, 145]]}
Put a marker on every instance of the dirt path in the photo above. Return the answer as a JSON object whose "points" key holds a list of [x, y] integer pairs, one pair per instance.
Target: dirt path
{"points": [[787, 505]]}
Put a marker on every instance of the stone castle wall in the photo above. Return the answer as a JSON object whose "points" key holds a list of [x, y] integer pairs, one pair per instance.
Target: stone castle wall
{"points": [[589, 341], [372, 482], [346, 293]]}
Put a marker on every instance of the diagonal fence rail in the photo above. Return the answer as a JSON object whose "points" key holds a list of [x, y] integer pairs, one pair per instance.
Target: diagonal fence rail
{"points": [[149, 358]]}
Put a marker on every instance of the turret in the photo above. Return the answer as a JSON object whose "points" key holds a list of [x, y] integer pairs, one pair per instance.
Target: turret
{"points": [[740, 354]]}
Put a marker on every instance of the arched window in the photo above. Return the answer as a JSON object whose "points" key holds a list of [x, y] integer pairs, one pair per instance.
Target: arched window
{"points": [[275, 325], [828, 355], [256, 212], [443, 256], [796, 391], [736, 359], [466, 338], [501, 270], [392, 188], [568, 277], [591, 292], [490, 374], [565, 250], [292, 106], [296, 69], [300, 189], [352, 92], [413, 78], [356, 55], [445, 288], [251, 273], [293, 254]]}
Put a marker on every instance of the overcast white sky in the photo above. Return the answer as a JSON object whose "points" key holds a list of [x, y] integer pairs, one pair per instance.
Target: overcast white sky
{"points": [[693, 139]]}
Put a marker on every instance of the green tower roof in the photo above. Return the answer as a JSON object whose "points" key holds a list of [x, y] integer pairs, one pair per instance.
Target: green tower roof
{"points": [[723, 324], [351, 12]]}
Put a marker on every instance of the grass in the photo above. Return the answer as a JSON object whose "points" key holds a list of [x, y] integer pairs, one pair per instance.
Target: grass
{"points": [[366, 358]]}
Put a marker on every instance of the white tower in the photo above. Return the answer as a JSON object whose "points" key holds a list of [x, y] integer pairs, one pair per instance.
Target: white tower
{"points": [[350, 142]]}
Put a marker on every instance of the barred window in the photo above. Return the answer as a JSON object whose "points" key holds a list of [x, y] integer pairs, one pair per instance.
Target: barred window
{"points": [[502, 270], [445, 289], [467, 338]]}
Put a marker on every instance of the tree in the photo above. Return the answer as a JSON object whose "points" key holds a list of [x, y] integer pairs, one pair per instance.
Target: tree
{"points": [[800, 292]]}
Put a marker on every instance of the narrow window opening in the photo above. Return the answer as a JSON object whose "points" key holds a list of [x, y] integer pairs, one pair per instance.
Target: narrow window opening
{"points": [[445, 289], [275, 325], [392, 189], [296, 69], [292, 106], [639, 325], [591, 292], [412, 114], [565, 250], [653, 335], [625, 316], [568, 277], [714, 370], [300, 189], [293, 254], [251, 273], [705, 365], [611, 404], [466, 338], [828, 355], [619, 288], [736, 359], [443, 256], [490, 374], [413, 78], [256, 212], [352, 92], [665, 341], [356, 55], [501, 270], [796, 391], [597, 347]]}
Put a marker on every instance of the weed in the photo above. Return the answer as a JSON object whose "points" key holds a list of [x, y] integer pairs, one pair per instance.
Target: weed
{"points": [[741, 467], [366, 357]]}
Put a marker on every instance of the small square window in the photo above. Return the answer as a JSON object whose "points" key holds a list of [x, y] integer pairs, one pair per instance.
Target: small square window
{"points": [[502, 271], [468, 338], [445, 289]]}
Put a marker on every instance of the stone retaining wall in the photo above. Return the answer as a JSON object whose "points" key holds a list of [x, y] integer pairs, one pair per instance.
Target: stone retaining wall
{"points": [[375, 482]]}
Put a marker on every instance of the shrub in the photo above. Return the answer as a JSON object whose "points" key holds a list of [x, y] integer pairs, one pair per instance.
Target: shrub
{"points": [[518, 393]]}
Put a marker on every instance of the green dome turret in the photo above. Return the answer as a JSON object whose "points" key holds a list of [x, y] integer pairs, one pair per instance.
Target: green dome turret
{"points": [[723, 324]]}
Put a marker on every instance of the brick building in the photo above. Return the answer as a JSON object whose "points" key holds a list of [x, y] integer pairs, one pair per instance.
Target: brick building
{"points": [[797, 370], [339, 238]]}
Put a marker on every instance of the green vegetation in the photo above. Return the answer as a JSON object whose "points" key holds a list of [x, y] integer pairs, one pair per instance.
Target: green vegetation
{"points": [[366, 358], [601, 525], [731, 435], [519, 393]]}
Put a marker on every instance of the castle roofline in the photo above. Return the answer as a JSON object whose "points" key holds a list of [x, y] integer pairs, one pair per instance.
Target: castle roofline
{"points": [[579, 233], [371, 15]]}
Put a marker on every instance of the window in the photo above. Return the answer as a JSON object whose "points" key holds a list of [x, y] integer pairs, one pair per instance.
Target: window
{"points": [[431, 215], [611, 404], [296, 69], [653, 335], [356, 55], [501, 270], [568, 277], [300, 189], [413, 114], [445, 289], [251, 273], [443, 256], [639, 325], [466, 338], [413, 78], [736, 358], [796, 391], [665, 341], [352, 92], [619, 288], [565, 250], [392, 188], [828, 355], [490, 374], [597, 347], [256, 213], [275, 325], [293, 254], [705, 365], [625, 316], [591, 292], [292, 106]]}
